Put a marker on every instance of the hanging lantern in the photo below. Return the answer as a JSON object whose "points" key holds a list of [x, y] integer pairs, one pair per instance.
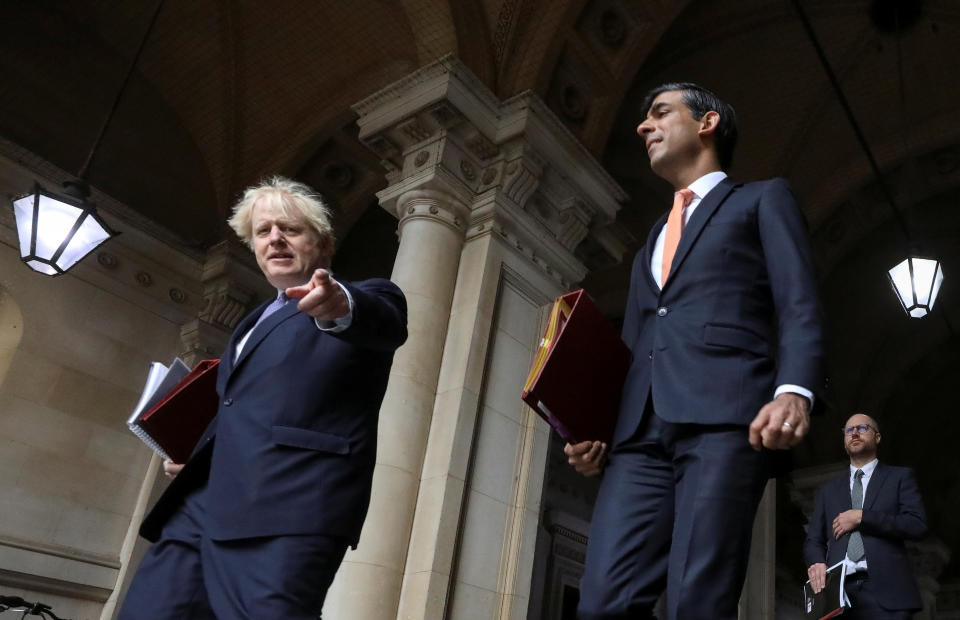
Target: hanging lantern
{"points": [[917, 282], [57, 231]]}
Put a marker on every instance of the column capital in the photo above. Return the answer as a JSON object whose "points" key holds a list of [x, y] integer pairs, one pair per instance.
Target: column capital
{"points": [[230, 284], [432, 204], [513, 166]]}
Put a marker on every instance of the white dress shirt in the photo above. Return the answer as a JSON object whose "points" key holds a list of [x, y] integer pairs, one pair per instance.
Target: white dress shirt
{"points": [[867, 469], [700, 188]]}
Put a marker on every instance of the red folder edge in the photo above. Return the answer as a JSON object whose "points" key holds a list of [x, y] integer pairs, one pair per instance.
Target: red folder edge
{"points": [[196, 392]]}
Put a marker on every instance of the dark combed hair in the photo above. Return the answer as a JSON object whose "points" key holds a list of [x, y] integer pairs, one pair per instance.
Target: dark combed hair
{"points": [[700, 101]]}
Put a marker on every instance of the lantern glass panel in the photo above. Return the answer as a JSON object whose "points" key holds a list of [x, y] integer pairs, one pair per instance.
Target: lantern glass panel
{"points": [[88, 236], [900, 277], [937, 281], [23, 211], [53, 225], [924, 272], [42, 267]]}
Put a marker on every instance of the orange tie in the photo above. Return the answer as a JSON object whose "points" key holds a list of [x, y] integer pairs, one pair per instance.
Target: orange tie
{"points": [[674, 228]]}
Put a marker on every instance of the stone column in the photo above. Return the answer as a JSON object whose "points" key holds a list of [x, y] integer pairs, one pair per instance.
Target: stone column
{"points": [[493, 198], [758, 596], [432, 224]]}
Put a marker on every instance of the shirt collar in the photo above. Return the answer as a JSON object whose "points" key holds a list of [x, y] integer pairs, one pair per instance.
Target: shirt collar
{"points": [[867, 469], [702, 186]]}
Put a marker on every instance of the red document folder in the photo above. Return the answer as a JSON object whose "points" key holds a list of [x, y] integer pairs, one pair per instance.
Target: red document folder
{"points": [[176, 423], [578, 372]]}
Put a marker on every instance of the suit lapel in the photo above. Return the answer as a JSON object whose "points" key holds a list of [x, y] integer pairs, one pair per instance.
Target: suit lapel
{"points": [[260, 331], [875, 485], [698, 220], [648, 253], [226, 361], [843, 490]]}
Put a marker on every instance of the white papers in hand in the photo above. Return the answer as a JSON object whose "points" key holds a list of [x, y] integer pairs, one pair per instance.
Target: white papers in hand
{"points": [[160, 380]]}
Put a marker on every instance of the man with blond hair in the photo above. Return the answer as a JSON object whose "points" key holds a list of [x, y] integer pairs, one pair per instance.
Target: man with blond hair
{"points": [[256, 522]]}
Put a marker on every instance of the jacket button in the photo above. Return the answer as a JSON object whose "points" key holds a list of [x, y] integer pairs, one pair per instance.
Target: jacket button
{"points": [[662, 311], [227, 402], [650, 355]]}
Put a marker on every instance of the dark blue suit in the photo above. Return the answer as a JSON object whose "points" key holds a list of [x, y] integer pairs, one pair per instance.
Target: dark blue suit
{"points": [[892, 513], [286, 465], [738, 316]]}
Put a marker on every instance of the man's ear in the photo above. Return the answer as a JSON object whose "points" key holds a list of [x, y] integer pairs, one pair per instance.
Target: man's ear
{"points": [[878, 438], [709, 122]]}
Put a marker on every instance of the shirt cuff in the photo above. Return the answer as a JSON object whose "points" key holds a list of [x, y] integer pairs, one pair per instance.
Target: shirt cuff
{"points": [[338, 325], [795, 389]]}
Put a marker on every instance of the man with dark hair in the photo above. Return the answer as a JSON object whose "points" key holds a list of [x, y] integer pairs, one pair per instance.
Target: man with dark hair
{"points": [[724, 324], [701, 101], [862, 519]]}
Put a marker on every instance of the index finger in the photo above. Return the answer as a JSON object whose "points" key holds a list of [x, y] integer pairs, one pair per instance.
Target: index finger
{"points": [[594, 451], [320, 277], [577, 448], [755, 437], [800, 431]]}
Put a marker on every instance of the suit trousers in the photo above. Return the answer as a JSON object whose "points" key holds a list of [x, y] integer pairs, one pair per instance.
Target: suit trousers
{"points": [[187, 576], [675, 509], [863, 602]]}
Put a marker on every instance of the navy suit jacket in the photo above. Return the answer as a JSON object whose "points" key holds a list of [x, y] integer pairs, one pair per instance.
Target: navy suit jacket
{"points": [[892, 512], [738, 316], [293, 445]]}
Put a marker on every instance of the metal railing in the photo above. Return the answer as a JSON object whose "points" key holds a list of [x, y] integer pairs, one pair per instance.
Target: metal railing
{"points": [[15, 603]]}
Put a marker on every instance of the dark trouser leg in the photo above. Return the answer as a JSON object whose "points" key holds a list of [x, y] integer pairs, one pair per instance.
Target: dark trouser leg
{"points": [[168, 584], [719, 482], [271, 577], [626, 565], [864, 605]]}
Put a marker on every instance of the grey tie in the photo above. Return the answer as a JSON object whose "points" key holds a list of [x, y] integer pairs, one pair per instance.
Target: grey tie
{"points": [[855, 546], [275, 305]]}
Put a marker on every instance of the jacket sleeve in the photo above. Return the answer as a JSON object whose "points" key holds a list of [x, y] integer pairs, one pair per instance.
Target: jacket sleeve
{"points": [[379, 315], [910, 520], [815, 544], [783, 235]]}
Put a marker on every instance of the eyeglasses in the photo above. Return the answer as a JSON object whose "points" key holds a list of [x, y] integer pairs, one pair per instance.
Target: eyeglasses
{"points": [[860, 428]]}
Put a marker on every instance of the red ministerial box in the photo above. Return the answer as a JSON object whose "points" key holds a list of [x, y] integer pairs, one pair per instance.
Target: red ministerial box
{"points": [[579, 370]]}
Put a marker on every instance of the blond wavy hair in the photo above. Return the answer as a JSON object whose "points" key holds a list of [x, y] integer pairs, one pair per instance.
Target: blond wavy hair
{"points": [[288, 195]]}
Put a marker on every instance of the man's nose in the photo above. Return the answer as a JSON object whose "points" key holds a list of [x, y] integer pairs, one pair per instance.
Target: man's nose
{"points": [[644, 128], [275, 235]]}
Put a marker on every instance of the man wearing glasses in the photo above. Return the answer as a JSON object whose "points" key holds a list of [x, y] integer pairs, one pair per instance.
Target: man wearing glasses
{"points": [[862, 519]]}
